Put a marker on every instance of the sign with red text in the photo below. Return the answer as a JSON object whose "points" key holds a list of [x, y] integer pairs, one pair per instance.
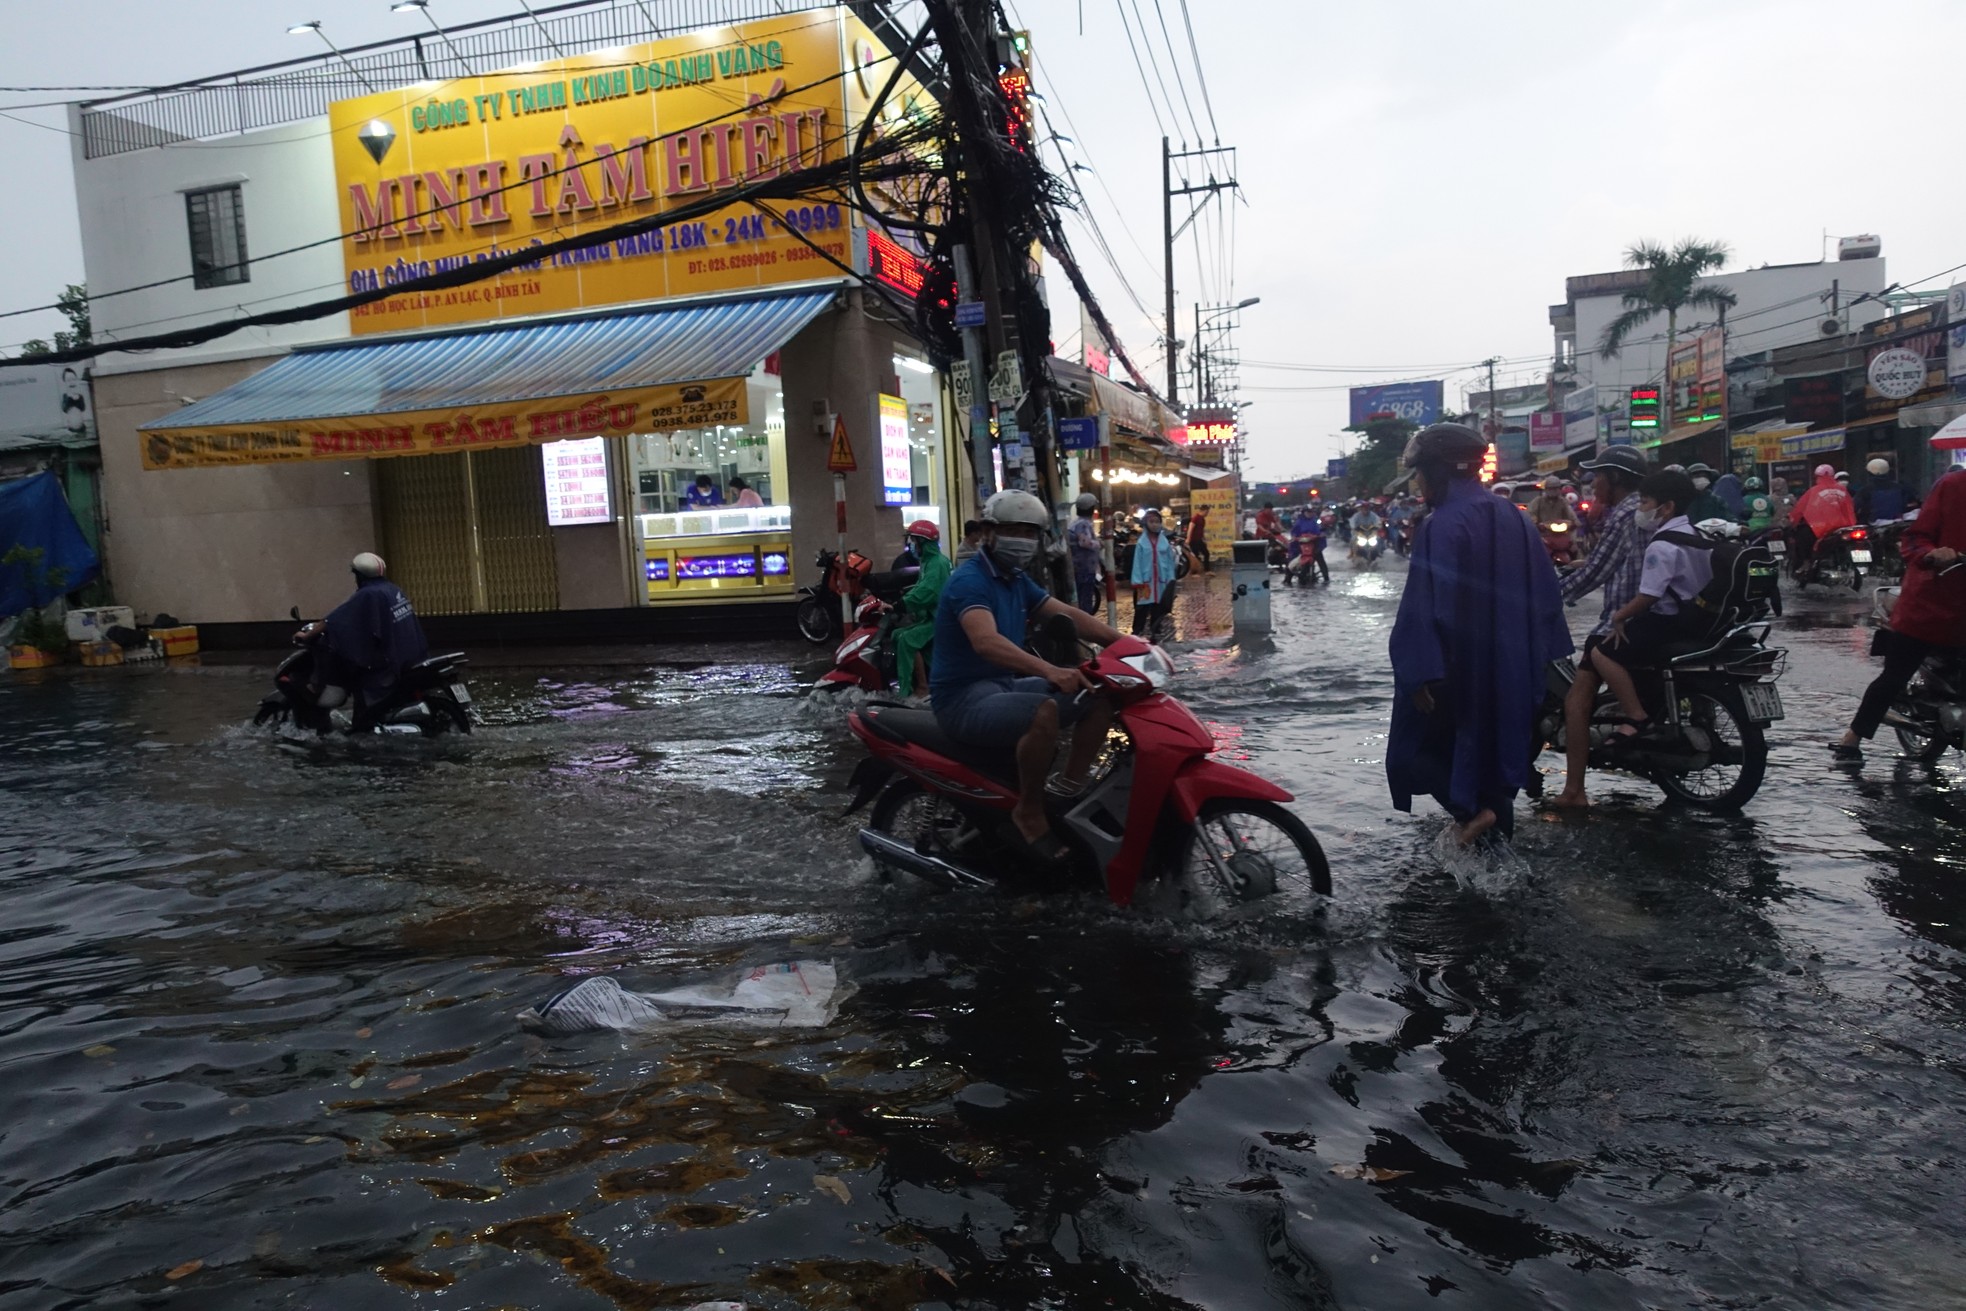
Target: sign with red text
{"points": [[897, 463], [576, 474], [433, 176]]}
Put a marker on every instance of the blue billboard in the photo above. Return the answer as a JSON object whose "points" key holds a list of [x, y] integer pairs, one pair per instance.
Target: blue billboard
{"points": [[1415, 402]]}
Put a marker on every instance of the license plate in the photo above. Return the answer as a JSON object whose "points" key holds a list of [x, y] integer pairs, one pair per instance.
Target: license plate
{"points": [[461, 694], [1778, 548], [1860, 557], [1764, 702]]}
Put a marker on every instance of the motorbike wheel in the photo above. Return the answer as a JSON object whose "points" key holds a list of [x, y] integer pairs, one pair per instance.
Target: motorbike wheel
{"points": [[1262, 847], [817, 622], [926, 821], [1917, 746], [1856, 579], [1722, 788], [449, 714]]}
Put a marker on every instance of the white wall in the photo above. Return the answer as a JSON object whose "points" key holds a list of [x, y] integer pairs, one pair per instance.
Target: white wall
{"points": [[1760, 321], [134, 231]]}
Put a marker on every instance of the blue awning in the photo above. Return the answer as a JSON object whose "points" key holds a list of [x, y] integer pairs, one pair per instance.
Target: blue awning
{"points": [[512, 364]]}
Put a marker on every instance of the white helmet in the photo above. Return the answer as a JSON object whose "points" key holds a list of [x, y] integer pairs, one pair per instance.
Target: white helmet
{"points": [[1013, 507], [368, 565], [1878, 468]]}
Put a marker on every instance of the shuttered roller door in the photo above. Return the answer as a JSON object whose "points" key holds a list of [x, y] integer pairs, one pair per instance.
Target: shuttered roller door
{"points": [[467, 533]]}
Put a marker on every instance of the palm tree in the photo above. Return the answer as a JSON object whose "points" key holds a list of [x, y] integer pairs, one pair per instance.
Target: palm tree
{"points": [[1669, 286]]}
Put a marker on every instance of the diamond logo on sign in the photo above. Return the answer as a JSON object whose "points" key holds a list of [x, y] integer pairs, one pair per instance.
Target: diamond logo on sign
{"points": [[965, 385], [1897, 373], [1007, 383]]}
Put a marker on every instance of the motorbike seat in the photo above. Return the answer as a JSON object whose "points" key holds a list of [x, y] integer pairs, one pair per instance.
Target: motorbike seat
{"points": [[919, 728]]}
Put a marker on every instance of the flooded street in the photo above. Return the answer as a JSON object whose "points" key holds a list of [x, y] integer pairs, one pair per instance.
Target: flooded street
{"points": [[257, 1003]]}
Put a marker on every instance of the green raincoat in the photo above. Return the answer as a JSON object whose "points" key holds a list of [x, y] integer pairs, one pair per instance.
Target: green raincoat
{"points": [[918, 615]]}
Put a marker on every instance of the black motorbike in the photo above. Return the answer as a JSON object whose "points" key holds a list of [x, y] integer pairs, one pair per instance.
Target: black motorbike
{"points": [[430, 697], [1841, 558], [851, 577], [1886, 539], [1712, 699]]}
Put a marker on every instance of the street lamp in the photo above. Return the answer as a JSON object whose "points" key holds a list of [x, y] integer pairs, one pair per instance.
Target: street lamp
{"points": [[423, 7], [314, 26], [1210, 317]]}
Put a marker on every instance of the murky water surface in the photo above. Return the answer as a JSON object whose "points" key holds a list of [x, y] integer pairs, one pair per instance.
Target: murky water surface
{"points": [[257, 1035]]}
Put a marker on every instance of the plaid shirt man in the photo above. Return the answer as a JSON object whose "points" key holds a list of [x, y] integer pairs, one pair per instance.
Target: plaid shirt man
{"points": [[1615, 563]]}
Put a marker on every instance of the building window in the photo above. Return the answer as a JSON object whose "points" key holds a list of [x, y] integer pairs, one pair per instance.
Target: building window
{"points": [[218, 236]]}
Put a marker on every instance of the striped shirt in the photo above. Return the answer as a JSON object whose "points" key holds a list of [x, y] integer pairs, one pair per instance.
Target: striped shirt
{"points": [[1615, 564]]}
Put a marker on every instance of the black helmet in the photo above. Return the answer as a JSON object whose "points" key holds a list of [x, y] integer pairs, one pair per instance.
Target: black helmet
{"points": [[1622, 459], [1453, 444]]}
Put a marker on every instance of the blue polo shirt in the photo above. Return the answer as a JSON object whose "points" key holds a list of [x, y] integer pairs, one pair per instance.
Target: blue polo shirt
{"points": [[977, 583]]}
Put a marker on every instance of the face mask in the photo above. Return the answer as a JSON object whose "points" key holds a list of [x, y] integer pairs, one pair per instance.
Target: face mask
{"points": [[1015, 553], [1646, 520], [1701, 484]]}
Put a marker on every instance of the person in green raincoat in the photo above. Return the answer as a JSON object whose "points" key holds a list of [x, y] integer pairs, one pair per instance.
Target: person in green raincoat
{"points": [[915, 631], [1757, 507]]}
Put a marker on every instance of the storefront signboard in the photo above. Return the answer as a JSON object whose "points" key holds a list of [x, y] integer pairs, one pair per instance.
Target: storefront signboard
{"points": [[1696, 384], [1812, 443], [1220, 529], [897, 466], [1956, 334], [437, 432], [1082, 434], [434, 176], [1546, 432], [576, 474], [1816, 400]]}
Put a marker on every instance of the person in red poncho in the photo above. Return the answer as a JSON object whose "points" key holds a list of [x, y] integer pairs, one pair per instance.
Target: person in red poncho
{"points": [[1930, 617], [1818, 512]]}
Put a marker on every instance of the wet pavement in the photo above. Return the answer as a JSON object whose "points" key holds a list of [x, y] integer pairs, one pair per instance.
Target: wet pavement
{"points": [[257, 1004]]}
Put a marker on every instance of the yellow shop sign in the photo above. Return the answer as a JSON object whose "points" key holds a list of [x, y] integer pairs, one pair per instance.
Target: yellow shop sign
{"points": [[436, 432], [433, 177]]}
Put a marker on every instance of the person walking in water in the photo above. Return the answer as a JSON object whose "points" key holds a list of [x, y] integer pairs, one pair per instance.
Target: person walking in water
{"points": [[1478, 625]]}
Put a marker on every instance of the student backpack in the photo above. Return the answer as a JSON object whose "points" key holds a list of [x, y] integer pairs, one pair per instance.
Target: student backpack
{"points": [[1744, 580]]}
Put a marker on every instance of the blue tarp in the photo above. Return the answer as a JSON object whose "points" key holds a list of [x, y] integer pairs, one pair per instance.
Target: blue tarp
{"points": [[34, 513]]}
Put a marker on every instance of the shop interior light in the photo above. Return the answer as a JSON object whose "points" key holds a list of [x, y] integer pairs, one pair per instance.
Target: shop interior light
{"points": [[1138, 478], [919, 366]]}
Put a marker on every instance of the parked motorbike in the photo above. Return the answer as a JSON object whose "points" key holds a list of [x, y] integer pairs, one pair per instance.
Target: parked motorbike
{"points": [[851, 577], [1841, 558], [1714, 697], [1156, 805], [430, 698], [1560, 542]]}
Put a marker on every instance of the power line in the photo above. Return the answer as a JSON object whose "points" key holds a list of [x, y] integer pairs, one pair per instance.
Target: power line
{"points": [[1173, 65], [1200, 76], [1145, 86]]}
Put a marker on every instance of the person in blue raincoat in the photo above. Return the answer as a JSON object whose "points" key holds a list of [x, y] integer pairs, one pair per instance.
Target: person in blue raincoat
{"points": [[1728, 491], [365, 643], [1479, 623]]}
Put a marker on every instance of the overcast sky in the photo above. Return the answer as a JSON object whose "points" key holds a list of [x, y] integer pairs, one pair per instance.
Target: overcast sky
{"points": [[1420, 176]]}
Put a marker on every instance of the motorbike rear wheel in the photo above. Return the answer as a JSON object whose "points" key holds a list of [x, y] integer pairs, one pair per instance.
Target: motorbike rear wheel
{"points": [[926, 821], [1722, 788], [817, 622], [1917, 746], [1248, 849]]}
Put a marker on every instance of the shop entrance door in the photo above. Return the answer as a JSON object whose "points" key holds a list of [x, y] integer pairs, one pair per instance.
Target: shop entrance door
{"points": [[467, 533]]}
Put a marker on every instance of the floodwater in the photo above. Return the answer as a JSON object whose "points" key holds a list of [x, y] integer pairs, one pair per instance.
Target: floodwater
{"points": [[257, 1034]]}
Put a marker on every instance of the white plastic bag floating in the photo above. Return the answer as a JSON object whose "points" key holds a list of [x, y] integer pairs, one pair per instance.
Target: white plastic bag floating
{"points": [[791, 995]]}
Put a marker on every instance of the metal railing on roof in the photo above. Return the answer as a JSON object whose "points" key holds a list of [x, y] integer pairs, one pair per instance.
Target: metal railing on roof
{"points": [[298, 89]]}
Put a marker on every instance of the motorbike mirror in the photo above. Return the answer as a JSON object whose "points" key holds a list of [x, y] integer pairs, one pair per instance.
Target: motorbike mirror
{"points": [[295, 612]]}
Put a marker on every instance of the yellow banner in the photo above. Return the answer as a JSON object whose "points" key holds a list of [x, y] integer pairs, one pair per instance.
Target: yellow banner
{"points": [[435, 432], [1220, 529], [433, 178]]}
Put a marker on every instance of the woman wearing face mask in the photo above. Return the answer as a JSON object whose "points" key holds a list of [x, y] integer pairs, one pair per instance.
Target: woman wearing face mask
{"points": [[1156, 559]]}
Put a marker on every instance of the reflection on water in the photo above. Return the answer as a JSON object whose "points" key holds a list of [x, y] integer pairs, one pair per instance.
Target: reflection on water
{"points": [[257, 1000]]}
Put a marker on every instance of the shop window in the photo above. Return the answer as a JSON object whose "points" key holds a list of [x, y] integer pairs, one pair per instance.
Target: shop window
{"points": [[217, 218]]}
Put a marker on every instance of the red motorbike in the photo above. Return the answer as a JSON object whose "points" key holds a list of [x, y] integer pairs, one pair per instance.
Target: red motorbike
{"points": [[1156, 805], [866, 658]]}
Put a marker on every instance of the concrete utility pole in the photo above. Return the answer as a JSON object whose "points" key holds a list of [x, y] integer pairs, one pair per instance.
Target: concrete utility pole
{"points": [[1169, 232], [1494, 425]]}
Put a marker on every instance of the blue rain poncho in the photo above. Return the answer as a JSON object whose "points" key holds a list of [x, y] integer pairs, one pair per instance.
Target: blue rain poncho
{"points": [[373, 636], [1479, 623]]}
